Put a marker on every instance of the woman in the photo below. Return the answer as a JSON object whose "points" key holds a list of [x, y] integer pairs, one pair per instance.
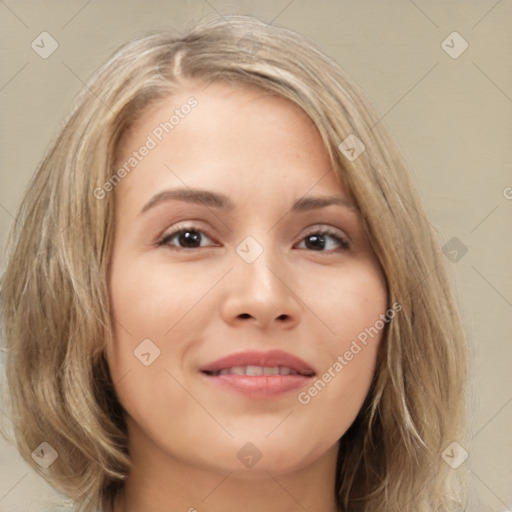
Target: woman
{"points": [[222, 292]]}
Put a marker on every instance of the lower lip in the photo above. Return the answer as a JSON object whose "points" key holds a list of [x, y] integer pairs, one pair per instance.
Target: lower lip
{"points": [[260, 386]]}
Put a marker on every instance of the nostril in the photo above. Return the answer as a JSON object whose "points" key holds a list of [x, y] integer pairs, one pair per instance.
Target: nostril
{"points": [[245, 315]]}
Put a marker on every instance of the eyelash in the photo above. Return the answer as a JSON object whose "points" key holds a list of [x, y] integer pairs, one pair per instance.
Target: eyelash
{"points": [[163, 241]]}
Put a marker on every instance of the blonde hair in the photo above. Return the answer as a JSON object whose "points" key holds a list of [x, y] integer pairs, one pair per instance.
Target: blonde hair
{"points": [[55, 309]]}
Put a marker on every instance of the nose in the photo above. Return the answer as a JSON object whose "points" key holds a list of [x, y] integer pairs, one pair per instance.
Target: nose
{"points": [[262, 293]]}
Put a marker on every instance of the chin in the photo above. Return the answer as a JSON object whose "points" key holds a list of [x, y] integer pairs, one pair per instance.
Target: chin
{"points": [[258, 458]]}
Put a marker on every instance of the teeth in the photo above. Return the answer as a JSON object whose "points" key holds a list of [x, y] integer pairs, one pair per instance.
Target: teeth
{"points": [[256, 371], [253, 370]]}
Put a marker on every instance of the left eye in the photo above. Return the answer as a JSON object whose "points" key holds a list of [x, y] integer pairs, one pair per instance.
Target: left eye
{"points": [[317, 240], [190, 238]]}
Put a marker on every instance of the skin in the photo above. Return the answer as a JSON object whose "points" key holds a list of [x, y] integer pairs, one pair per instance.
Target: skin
{"points": [[200, 304]]}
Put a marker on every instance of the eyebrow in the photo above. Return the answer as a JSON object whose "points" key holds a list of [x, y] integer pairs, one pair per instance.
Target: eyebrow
{"points": [[221, 201]]}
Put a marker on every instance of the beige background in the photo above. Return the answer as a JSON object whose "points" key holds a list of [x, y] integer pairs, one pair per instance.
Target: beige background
{"points": [[452, 117]]}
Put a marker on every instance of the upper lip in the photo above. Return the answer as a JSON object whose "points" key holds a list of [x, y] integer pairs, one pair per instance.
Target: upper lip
{"points": [[269, 359]]}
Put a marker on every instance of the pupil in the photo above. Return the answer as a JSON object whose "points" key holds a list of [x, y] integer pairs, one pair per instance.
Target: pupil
{"points": [[318, 242], [190, 238]]}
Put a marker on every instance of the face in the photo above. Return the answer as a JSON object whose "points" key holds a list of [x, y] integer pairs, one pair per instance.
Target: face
{"points": [[195, 279]]}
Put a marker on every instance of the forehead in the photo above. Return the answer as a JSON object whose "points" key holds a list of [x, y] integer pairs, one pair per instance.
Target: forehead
{"points": [[230, 136]]}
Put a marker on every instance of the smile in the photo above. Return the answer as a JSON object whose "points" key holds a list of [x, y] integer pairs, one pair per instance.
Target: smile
{"points": [[262, 375], [252, 370]]}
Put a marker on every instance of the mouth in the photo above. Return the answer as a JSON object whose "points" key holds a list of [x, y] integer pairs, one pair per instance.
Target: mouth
{"points": [[259, 370], [259, 374]]}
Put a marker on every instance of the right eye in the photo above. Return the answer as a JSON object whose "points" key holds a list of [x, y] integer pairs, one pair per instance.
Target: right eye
{"points": [[189, 236]]}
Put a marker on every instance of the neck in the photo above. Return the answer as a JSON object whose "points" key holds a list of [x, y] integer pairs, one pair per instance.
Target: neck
{"points": [[160, 483]]}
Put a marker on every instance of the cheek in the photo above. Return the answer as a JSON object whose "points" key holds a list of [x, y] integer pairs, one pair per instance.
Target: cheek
{"points": [[149, 300], [354, 309], [149, 306], [351, 301], [336, 395], [158, 302]]}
